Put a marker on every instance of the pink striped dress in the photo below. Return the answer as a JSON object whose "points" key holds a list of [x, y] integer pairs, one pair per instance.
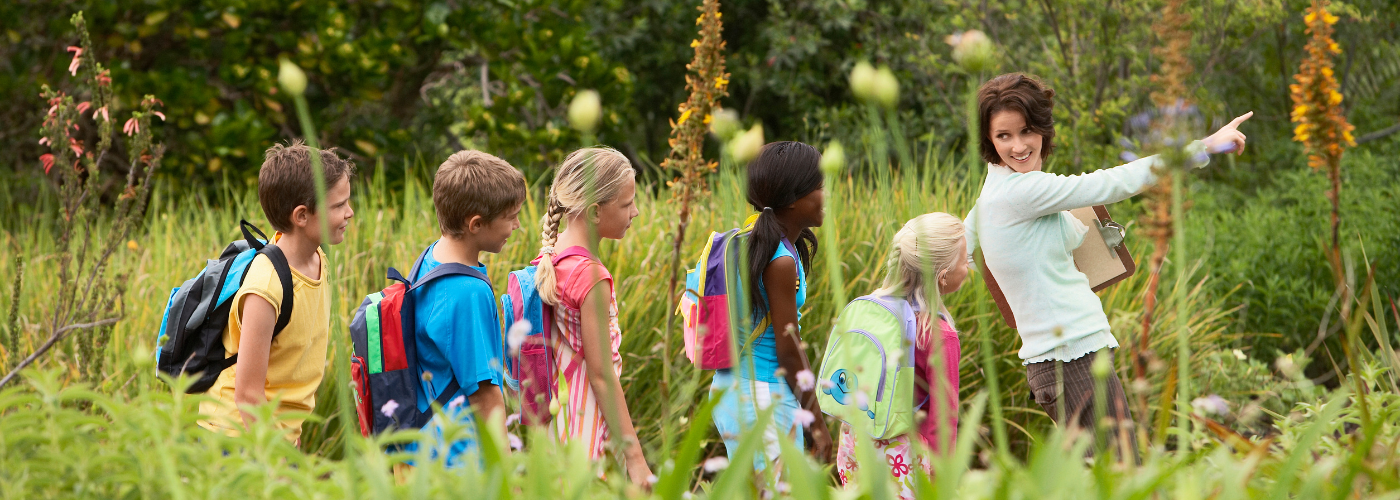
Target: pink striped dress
{"points": [[580, 417]]}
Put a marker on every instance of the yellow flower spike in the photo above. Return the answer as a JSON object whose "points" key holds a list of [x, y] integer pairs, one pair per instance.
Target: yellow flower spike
{"points": [[1312, 16], [1328, 18], [1300, 110], [708, 119], [1336, 49], [684, 116], [694, 43], [720, 81], [700, 19]]}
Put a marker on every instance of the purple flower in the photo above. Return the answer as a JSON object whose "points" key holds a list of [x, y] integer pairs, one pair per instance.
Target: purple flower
{"points": [[1211, 406], [805, 380], [803, 417]]}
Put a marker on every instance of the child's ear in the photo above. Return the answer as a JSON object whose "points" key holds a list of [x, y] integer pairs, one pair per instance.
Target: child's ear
{"points": [[301, 216], [475, 224], [592, 212]]}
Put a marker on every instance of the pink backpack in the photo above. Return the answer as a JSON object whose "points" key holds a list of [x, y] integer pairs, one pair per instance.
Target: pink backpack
{"points": [[708, 308], [532, 370]]}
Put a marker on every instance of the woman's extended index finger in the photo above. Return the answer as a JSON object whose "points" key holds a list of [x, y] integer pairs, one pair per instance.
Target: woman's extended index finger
{"points": [[1240, 119]]}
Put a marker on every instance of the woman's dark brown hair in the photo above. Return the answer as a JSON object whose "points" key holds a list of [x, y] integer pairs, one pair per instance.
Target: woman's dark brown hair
{"points": [[1021, 93]]}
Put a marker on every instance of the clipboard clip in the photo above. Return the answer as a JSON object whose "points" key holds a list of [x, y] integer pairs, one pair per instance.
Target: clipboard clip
{"points": [[1113, 233]]}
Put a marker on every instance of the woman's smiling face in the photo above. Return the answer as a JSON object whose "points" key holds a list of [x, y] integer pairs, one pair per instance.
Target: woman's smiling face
{"points": [[1017, 145]]}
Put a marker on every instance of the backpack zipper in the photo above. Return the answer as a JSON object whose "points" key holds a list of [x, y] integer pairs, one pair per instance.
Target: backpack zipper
{"points": [[880, 389]]}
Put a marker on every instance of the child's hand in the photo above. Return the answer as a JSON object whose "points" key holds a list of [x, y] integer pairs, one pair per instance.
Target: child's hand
{"points": [[638, 472], [821, 443]]}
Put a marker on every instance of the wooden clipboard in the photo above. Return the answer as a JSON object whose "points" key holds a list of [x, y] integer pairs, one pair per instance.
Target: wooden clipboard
{"points": [[1102, 265]]}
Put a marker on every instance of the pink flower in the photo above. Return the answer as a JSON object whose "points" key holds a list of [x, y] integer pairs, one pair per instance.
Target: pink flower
{"points": [[43, 141], [103, 111], [805, 380], [803, 417], [161, 115], [77, 55], [515, 443], [456, 402], [716, 464], [104, 78], [512, 419], [47, 160], [897, 465], [76, 146], [388, 408], [131, 127], [83, 106]]}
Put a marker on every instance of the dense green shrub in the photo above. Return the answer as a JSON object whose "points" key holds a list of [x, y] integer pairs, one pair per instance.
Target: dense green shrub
{"points": [[1272, 241]]}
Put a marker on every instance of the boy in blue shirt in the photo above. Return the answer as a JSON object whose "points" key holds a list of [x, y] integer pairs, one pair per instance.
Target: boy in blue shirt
{"points": [[478, 199]]}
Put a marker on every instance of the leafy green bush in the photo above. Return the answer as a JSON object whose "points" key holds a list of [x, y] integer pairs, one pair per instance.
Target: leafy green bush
{"points": [[1272, 241]]}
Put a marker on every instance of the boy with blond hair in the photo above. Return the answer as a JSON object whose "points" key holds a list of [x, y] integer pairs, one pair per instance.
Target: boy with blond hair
{"points": [[285, 365], [478, 199]]}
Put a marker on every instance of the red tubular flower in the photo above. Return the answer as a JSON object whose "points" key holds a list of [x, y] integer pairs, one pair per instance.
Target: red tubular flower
{"points": [[83, 106], [76, 146], [131, 127], [47, 160], [77, 56], [104, 78]]}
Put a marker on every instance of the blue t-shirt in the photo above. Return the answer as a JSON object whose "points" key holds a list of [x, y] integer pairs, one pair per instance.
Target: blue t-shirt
{"points": [[765, 347], [459, 337]]}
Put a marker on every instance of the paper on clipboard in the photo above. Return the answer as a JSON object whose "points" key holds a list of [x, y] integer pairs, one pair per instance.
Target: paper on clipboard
{"points": [[1103, 266]]}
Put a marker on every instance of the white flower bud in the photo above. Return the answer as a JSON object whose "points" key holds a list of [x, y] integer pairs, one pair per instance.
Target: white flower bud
{"points": [[886, 87], [724, 124], [585, 110], [290, 77], [833, 159], [973, 50], [744, 148], [863, 81]]}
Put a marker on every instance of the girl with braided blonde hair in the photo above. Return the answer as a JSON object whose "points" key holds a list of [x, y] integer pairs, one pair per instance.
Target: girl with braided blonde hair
{"points": [[928, 260], [593, 196]]}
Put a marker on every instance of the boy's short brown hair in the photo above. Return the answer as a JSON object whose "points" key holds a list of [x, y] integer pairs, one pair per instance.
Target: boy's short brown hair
{"points": [[474, 183], [286, 180], [1021, 93]]}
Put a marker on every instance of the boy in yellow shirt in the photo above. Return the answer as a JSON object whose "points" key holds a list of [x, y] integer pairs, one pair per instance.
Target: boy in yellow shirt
{"points": [[287, 367]]}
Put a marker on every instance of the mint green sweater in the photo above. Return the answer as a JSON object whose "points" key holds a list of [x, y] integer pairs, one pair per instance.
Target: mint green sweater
{"points": [[1027, 236]]}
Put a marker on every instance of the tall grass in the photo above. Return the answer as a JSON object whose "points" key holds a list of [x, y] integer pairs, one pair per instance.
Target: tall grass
{"points": [[391, 227]]}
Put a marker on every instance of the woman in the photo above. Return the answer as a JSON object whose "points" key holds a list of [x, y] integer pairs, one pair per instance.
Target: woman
{"points": [[1022, 225]]}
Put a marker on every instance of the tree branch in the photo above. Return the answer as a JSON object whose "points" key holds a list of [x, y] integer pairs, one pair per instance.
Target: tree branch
{"points": [[53, 339], [1378, 134]]}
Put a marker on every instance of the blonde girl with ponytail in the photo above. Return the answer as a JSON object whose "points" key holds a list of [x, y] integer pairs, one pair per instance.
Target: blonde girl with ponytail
{"points": [[593, 197], [928, 260]]}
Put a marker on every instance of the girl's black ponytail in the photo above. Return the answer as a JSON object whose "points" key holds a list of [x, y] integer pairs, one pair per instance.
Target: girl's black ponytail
{"points": [[783, 173]]}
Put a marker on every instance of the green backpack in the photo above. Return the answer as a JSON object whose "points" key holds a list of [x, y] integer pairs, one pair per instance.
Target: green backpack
{"points": [[867, 372]]}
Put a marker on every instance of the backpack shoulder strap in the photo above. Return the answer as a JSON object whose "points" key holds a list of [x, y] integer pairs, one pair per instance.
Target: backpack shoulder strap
{"points": [[573, 251], [284, 275], [451, 269]]}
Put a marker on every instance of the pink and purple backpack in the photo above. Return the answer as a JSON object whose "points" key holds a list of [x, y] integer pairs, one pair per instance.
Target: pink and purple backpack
{"points": [[711, 305]]}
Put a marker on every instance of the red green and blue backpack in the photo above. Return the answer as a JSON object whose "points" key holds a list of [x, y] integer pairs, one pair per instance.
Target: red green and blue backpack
{"points": [[384, 364]]}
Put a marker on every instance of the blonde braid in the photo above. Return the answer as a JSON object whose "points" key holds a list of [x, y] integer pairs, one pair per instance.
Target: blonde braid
{"points": [[545, 279]]}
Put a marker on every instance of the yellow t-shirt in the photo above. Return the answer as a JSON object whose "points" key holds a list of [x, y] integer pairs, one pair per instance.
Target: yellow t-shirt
{"points": [[297, 360]]}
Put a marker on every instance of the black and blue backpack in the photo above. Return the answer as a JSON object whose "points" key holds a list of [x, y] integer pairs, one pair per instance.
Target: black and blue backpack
{"points": [[192, 329]]}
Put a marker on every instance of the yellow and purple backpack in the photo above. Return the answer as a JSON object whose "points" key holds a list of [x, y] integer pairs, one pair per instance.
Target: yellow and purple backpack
{"points": [[711, 305]]}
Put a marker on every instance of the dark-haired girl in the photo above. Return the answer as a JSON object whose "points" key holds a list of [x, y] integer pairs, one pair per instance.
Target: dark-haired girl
{"points": [[1027, 236], [785, 187]]}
